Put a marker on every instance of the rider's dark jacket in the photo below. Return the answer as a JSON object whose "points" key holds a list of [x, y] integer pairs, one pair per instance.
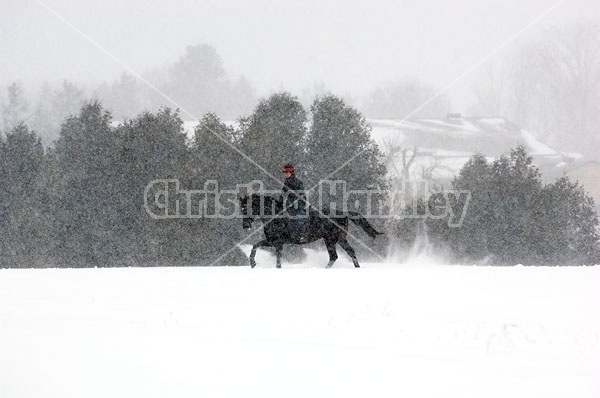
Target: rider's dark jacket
{"points": [[294, 197]]}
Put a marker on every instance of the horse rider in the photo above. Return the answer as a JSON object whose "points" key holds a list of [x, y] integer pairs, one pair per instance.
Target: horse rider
{"points": [[294, 201]]}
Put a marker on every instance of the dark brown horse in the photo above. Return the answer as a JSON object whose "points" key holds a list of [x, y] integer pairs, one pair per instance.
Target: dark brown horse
{"points": [[333, 228]]}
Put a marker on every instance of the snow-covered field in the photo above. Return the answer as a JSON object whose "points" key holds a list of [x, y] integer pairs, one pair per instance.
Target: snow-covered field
{"points": [[385, 330]]}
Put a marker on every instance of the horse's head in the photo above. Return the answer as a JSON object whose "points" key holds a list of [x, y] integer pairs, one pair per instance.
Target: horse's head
{"points": [[247, 219], [260, 206]]}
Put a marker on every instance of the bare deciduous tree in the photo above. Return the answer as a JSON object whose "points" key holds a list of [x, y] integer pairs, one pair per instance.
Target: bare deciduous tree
{"points": [[551, 86]]}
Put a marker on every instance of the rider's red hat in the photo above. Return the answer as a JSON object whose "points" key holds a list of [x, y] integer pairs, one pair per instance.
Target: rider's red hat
{"points": [[288, 168]]}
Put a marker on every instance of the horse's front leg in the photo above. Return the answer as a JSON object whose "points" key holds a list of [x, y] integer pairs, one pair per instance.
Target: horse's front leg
{"points": [[278, 254], [262, 243]]}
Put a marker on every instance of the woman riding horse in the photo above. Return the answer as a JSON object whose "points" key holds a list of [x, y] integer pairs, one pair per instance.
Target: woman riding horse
{"points": [[294, 199], [332, 228]]}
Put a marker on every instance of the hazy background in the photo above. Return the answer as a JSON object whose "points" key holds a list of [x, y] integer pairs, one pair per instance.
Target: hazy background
{"points": [[350, 46], [362, 51]]}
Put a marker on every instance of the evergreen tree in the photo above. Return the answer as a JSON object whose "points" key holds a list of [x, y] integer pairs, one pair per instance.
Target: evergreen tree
{"points": [[23, 241], [241, 99], [272, 136], [151, 147], [568, 231], [53, 107], [213, 151], [123, 97], [214, 159], [85, 189], [511, 218], [16, 111], [198, 82], [468, 241], [515, 183], [340, 148]]}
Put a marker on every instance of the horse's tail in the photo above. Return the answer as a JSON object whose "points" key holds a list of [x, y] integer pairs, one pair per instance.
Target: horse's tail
{"points": [[362, 222]]}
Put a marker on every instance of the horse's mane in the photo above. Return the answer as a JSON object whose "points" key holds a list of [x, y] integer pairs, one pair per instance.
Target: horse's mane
{"points": [[270, 202], [268, 198]]}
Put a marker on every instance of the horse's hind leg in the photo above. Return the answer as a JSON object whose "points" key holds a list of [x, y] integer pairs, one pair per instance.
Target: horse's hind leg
{"points": [[350, 250], [278, 252], [332, 252]]}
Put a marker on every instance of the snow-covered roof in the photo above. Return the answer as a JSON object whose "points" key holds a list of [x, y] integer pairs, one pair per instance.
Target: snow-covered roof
{"points": [[489, 136], [452, 141]]}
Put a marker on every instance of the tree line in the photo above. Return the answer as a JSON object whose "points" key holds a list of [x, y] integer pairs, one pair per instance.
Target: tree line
{"points": [[80, 203], [551, 86], [512, 217], [197, 80]]}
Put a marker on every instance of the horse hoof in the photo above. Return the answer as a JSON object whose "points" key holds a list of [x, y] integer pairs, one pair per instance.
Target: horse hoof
{"points": [[329, 265]]}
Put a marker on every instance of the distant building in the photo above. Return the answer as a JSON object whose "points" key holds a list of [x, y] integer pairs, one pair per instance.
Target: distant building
{"points": [[444, 145]]}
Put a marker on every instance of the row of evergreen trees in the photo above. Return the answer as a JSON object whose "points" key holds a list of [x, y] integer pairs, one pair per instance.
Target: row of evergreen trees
{"points": [[81, 202], [512, 218]]}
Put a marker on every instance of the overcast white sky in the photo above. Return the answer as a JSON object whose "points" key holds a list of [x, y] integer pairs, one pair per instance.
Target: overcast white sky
{"points": [[351, 46]]}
